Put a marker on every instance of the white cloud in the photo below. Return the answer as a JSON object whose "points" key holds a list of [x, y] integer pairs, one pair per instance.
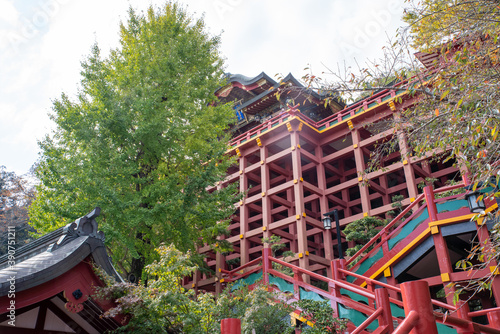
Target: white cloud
{"points": [[8, 13], [278, 36]]}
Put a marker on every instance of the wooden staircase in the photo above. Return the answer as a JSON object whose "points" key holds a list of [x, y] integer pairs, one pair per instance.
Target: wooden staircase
{"points": [[364, 294]]}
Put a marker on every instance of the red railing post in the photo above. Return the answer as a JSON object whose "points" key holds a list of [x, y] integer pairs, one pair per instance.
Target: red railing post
{"points": [[494, 319], [382, 300], [463, 313], [266, 253], [337, 276], [297, 277], [416, 297], [431, 204], [336, 265], [230, 326]]}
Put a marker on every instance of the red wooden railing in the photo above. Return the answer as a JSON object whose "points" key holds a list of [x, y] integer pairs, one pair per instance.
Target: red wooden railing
{"points": [[377, 294], [394, 227]]}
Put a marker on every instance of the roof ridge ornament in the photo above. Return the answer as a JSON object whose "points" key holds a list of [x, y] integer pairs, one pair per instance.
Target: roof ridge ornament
{"points": [[81, 227]]}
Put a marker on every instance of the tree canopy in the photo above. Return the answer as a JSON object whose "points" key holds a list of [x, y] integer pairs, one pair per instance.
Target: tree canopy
{"points": [[457, 111], [144, 140], [16, 194], [460, 110]]}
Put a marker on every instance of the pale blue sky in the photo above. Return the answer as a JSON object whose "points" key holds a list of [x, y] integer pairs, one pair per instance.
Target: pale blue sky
{"points": [[42, 43]]}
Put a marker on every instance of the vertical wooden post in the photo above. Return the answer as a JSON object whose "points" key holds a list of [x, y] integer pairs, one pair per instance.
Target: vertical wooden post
{"points": [[266, 264], [411, 185], [431, 204], [323, 206], [244, 254], [484, 239], [337, 276], [297, 277], [442, 254], [382, 300], [416, 297], [230, 326], [265, 185], [220, 261], [299, 201], [360, 167], [494, 319]]}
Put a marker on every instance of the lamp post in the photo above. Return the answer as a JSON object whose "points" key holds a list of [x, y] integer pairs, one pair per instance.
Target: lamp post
{"points": [[327, 224]]}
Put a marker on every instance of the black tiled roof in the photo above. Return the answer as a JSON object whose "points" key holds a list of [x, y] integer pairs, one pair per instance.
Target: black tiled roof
{"points": [[56, 253]]}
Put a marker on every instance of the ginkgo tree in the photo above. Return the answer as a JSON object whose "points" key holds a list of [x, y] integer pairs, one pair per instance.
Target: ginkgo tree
{"points": [[144, 139]]}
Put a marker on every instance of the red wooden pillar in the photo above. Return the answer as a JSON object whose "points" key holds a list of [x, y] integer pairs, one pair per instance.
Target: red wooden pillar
{"points": [[299, 201], [244, 255], [324, 207], [484, 239], [230, 326], [382, 300], [431, 204], [220, 262], [411, 184], [416, 298], [494, 319], [443, 256], [266, 264], [265, 185], [297, 277], [337, 276], [291, 210], [360, 167]]}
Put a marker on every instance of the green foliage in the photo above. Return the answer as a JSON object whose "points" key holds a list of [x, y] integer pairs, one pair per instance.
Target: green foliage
{"points": [[361, 231], [397, 204], [266, 313], [143, 140], [161, 307], [16, 194], [276, 246], [164, 306], [458, 113], [321, 314]]}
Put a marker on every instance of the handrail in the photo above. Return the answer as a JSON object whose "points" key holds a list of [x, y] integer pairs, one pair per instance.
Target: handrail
{"points": [[384, 230], [396, 289], [405, 325], [246, 265], [360, 291], [368, 321], [483, 312], [462, 323]]}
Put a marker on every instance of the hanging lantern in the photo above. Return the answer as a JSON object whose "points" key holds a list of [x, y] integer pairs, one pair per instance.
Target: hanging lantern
{"points": [[476, 205], [327, 222]]}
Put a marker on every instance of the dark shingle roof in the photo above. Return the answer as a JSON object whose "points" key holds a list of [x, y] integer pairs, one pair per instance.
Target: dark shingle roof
{"points": [[56, 253]]}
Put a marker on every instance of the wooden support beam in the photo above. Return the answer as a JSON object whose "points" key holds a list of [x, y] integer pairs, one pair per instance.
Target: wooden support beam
{"points": [[377, 187], [313, 188], [308, 167], [333, 169], [280, 188], [337, 201], [337, 155], [275, 168], [309, 156]]}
